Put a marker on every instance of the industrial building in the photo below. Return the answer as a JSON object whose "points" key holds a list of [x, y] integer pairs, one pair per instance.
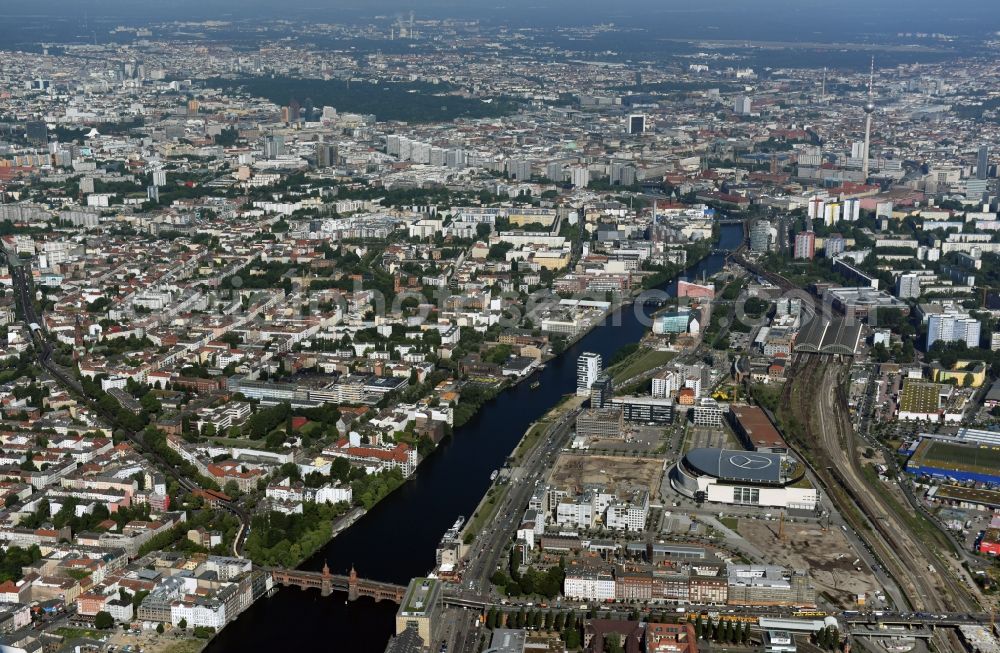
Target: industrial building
{"points": [[755, 430]]}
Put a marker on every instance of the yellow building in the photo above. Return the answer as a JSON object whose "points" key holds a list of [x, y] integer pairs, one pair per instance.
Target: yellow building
{"points": [[520, 217], [961, 373], [421, 608]]}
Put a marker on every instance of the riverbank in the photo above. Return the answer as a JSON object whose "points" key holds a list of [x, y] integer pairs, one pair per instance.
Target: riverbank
{"points": [[398, 537], [526, 446], [484, 396]]}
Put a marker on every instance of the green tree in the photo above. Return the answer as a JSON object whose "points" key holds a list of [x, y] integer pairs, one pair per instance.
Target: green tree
{"points": [[572, 638], [160, 628], [613, 643], [182, 624], [103, 620]]}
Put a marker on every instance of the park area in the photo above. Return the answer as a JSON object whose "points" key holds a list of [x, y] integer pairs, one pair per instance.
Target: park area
{"points": [[641, 360]]}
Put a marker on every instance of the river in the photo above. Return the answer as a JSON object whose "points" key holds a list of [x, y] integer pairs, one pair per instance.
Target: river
{"points": [[397, 539]]}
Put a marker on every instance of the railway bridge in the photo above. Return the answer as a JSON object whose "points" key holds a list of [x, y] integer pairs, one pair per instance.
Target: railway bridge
{"points": [[327, 583]]}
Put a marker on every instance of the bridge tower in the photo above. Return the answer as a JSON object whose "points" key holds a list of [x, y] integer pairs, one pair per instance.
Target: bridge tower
{"points": [[352, 585], [326, 582]]}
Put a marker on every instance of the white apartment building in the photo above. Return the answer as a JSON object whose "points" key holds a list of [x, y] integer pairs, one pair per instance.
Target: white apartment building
{"points": [[665, 384], [588, 366], [589, 585], [953, 327], [206, 613]]}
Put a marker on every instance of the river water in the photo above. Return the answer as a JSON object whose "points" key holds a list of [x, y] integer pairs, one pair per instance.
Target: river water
{"points": [[397, 539]]}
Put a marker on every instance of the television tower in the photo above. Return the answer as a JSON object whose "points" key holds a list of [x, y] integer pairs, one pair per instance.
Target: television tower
{"points": [[869, 110]]}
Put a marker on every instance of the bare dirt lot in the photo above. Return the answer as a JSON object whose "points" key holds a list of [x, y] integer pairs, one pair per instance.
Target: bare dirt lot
{"points": [[150, 642], [827, 556], [613, 472]]}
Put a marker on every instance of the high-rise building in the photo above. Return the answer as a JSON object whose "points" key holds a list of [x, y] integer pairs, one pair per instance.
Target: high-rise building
{"points": [[37, 132], [519, 169], [601, 391], [392, 144], [579, 176], [326, 155], [588, 367], [983, 162], [622, 174], [908, 286], [851, 210], [742, 105], [805, 245], [869, 110], [636, 123], [159, 178], [274, 146], [953, 327], [454, 158], [761, 236]]}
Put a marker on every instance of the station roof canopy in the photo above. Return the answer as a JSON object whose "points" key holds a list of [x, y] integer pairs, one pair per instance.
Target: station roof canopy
{"points": [[825, 336]]}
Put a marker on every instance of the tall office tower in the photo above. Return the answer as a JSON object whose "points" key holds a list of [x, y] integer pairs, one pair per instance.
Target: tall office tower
{"points": [[636, 123], [983, 162], [588, 367], [37, 132], [869, 110], [601, 391], [159, 178], [761, 237], [274, 146]]}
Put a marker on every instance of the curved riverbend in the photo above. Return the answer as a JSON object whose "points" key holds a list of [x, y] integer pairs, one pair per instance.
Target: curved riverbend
{"points": [[396, 540]]}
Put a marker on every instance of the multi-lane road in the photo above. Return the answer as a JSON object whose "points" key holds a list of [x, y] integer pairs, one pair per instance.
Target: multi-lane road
{"points": [[485, 551]]}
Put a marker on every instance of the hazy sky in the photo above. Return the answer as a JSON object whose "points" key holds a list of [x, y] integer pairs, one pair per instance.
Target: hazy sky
{"points": [[825, 20]]}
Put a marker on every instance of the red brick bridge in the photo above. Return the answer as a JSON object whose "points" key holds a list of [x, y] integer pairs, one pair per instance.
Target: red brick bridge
{"points": [[327, 583]]}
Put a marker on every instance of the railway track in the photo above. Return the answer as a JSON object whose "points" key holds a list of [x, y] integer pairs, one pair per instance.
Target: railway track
{"points": [[821, 410]]}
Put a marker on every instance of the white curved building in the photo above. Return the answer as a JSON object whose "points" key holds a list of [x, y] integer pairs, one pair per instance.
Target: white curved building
{"points": [[743, 478]]}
